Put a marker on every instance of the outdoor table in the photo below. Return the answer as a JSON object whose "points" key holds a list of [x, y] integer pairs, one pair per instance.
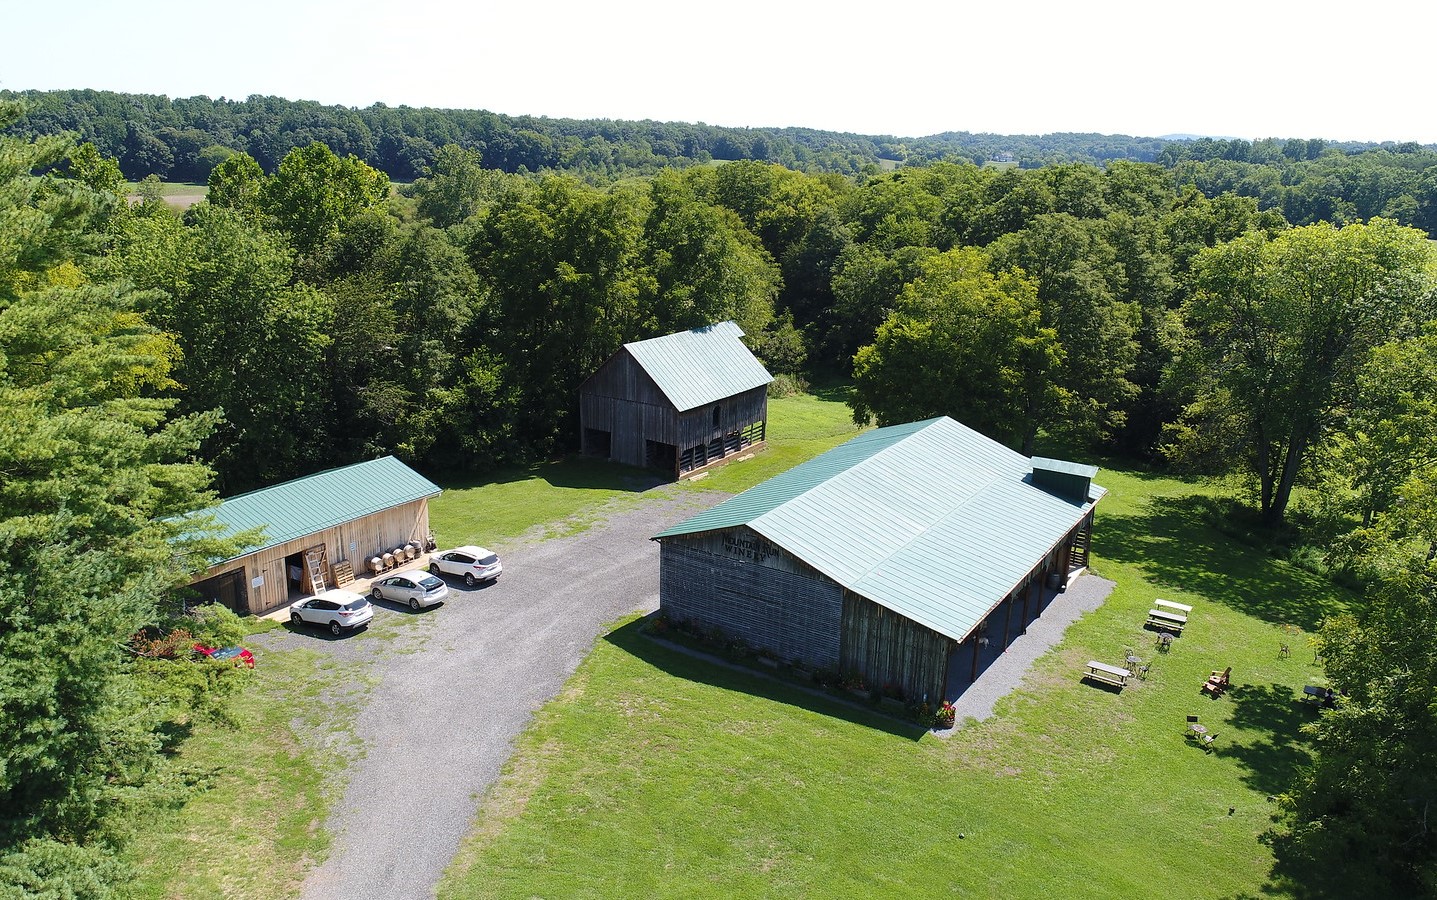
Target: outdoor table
{"points": [[1106, 673], [1176, 607], [1171, 621]]}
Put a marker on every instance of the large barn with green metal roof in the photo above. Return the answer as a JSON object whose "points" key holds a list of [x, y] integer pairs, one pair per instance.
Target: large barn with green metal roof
{"points": [[313, 528], [679, 403], [909, 557]]}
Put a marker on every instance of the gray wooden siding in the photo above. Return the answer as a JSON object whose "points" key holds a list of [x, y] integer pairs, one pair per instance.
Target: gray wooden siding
{"points": [[622, 399], [739, 583], [888, 649]]}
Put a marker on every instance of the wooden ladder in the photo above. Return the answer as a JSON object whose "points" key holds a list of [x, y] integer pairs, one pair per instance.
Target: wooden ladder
{"points": [[314, 560]]}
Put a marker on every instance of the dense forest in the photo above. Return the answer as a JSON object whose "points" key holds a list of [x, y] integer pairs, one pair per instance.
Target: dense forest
{"points": [[182, 139], [1262, 309]]}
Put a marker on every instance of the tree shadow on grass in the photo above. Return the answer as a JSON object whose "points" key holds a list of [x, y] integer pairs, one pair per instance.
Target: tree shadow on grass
{"points": [[1270, 715], [580, 472], [693, 666], [1173, 544]]}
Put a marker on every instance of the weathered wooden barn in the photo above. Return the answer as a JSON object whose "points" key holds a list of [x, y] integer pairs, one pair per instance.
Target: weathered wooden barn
{"points": [[909, 557], [311, 526], [679, 403]]}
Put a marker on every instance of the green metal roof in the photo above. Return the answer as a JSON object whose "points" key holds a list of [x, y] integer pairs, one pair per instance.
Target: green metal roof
{"points": [[323, 500], [931, 520], [704, 365]]}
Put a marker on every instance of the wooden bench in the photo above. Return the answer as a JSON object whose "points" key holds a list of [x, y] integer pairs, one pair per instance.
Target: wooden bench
{"points": [[1167, 621], [1168, 605], [1107, 674]]}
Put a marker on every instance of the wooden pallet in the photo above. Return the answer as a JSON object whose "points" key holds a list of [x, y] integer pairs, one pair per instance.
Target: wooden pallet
{"points": [[343, 573]]}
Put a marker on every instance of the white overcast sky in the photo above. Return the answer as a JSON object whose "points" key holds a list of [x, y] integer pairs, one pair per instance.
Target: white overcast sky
{"points": [[1255, 68]]}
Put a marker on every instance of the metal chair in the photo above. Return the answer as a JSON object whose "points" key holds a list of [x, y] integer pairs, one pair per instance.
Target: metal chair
{"points": [[1207, 740]]}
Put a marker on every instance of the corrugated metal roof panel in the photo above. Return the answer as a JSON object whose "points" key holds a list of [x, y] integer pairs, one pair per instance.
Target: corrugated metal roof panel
{"points": [[703, 365], [931, 520], [323, 500], [778, 490]]}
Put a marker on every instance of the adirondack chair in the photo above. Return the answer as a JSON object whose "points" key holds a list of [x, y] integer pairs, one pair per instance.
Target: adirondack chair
{"points": [[1217, 681]]}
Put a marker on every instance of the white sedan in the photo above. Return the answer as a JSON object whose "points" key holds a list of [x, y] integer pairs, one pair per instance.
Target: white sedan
{"points": [[336, 608], [473, 564], [414, 588]]}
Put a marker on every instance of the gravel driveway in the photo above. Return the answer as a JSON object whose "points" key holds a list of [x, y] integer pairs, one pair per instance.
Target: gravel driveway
{"points": [[453, 686]]}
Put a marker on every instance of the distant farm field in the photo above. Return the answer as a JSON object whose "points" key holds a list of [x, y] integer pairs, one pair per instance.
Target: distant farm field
{"points": [[178, 194]]}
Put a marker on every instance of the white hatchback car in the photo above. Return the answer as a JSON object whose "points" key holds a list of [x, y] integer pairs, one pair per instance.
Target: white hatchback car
{"points": [[472, 563], [414, 588], [336, 608]]}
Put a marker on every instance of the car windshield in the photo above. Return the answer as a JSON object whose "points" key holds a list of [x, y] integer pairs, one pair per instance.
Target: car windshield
{"points": [[489, 560], [429, 582]]}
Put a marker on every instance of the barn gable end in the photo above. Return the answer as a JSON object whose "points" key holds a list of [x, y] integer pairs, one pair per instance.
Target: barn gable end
{"points": [[677, 403]]}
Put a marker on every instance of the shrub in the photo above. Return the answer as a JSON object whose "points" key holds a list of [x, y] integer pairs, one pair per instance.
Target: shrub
{"points": [[785, 385], [215, 626]]}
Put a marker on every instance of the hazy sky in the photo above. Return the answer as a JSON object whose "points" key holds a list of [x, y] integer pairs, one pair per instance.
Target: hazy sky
{"points": [[1250, 69]]}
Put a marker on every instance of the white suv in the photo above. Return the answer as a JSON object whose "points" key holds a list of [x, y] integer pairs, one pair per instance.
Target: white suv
{"points": [[473, 563], [336, 608]]}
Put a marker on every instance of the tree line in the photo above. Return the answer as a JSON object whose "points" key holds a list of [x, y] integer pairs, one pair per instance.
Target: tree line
{"points": [[308, 314]]}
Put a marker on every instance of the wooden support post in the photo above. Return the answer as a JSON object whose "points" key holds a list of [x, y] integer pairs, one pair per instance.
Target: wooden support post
{"points": [[1007, 620], [973, 676]]}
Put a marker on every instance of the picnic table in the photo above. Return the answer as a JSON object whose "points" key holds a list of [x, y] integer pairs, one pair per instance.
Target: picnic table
{"points": [[1175, 607], [1167, 620], [1322, 695], [1107, 674]]}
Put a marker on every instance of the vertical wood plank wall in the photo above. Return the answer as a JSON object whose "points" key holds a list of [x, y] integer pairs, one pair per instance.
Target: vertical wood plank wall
{"points": [[889, 649], [623, 400], [354, 541], [738, 582]]}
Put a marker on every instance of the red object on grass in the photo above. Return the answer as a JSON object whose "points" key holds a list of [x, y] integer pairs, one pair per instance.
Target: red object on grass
{"points": [[241, 655]]}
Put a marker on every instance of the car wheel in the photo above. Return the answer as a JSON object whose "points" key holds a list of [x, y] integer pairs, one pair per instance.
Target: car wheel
{"points": [[434, 569], [468, 579], [295, 620], [414, 603], [334, 628], [376, 594]]}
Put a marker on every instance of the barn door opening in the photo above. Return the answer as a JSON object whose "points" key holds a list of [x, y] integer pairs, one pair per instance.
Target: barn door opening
{"points": [[598, 442], [658, 455], [228, 590]]}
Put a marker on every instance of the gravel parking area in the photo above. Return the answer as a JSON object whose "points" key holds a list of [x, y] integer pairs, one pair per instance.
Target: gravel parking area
{"points": [[453, 685]]}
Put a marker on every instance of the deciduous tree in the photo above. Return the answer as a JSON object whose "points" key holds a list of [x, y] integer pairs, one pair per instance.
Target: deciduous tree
{"points": [[966, 343], [1280, 329]]}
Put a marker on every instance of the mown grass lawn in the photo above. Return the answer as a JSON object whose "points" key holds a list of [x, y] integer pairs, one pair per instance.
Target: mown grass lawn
{"points": [[254, 826], [566, 496], [657, 774]]}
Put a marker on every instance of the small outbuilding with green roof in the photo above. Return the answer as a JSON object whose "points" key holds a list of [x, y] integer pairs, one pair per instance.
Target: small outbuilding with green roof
{"points": [[908, 558], [680, 403], [313, 528]]}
